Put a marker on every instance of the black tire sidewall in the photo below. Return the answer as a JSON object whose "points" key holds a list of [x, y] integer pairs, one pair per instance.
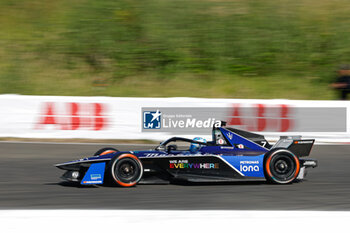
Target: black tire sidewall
{"points": [[274, 154], [112, 177]]}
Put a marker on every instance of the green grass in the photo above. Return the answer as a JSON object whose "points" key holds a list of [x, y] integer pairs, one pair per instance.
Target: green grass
{"points": [[156, 48]]}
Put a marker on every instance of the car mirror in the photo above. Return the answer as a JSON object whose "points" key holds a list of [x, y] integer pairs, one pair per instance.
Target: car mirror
{"points": [[171, 148], [160, 148]]}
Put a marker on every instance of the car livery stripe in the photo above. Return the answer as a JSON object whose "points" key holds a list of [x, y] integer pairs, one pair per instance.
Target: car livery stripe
{"points": [[196, 156], [244, 140], [82, 161]]}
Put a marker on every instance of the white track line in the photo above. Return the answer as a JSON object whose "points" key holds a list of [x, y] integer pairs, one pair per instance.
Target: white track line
{"points": [[58, 221]]}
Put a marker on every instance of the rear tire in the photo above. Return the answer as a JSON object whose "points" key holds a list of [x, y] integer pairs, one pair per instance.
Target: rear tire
{"points": [[125, 170], [105, 151], [281, 166]]}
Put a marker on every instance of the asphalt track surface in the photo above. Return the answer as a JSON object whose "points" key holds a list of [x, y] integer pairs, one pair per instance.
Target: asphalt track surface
{"points": [[28, 180]]}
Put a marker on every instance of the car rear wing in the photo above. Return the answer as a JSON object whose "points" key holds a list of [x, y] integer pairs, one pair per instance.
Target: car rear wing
{"points": [[299, 147]]}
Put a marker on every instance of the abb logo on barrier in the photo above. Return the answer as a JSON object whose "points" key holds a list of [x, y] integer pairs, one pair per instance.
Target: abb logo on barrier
{"points": [[73, 116], [261, 117]]}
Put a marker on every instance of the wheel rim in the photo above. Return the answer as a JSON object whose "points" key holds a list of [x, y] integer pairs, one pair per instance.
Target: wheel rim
{"points": [[126, 170], [283, 167]]}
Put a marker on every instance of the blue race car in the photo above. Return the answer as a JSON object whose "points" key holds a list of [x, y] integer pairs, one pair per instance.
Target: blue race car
{"points": [[232, 155]]}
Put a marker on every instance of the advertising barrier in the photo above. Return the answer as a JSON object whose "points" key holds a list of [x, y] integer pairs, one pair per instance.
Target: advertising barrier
{"points": [[159, 118]]}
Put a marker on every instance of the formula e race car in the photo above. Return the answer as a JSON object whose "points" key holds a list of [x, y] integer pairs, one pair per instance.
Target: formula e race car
{"points": [[232, 155]]}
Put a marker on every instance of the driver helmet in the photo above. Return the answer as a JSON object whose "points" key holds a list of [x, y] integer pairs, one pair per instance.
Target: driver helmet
{"points": [[195, 146]]}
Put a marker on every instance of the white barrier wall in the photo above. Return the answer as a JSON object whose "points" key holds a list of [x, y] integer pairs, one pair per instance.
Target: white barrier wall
{"points": [[124, 118]]}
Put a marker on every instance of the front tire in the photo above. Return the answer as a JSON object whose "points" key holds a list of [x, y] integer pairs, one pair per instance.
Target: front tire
{"points": [[281, 166], [125, 170]]}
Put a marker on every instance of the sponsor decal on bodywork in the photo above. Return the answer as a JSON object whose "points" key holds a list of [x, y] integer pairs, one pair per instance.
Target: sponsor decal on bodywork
{"points": [[304, 142], [155, 155], [95, 174], [245, 166], [184, 164], [251, 166]]}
